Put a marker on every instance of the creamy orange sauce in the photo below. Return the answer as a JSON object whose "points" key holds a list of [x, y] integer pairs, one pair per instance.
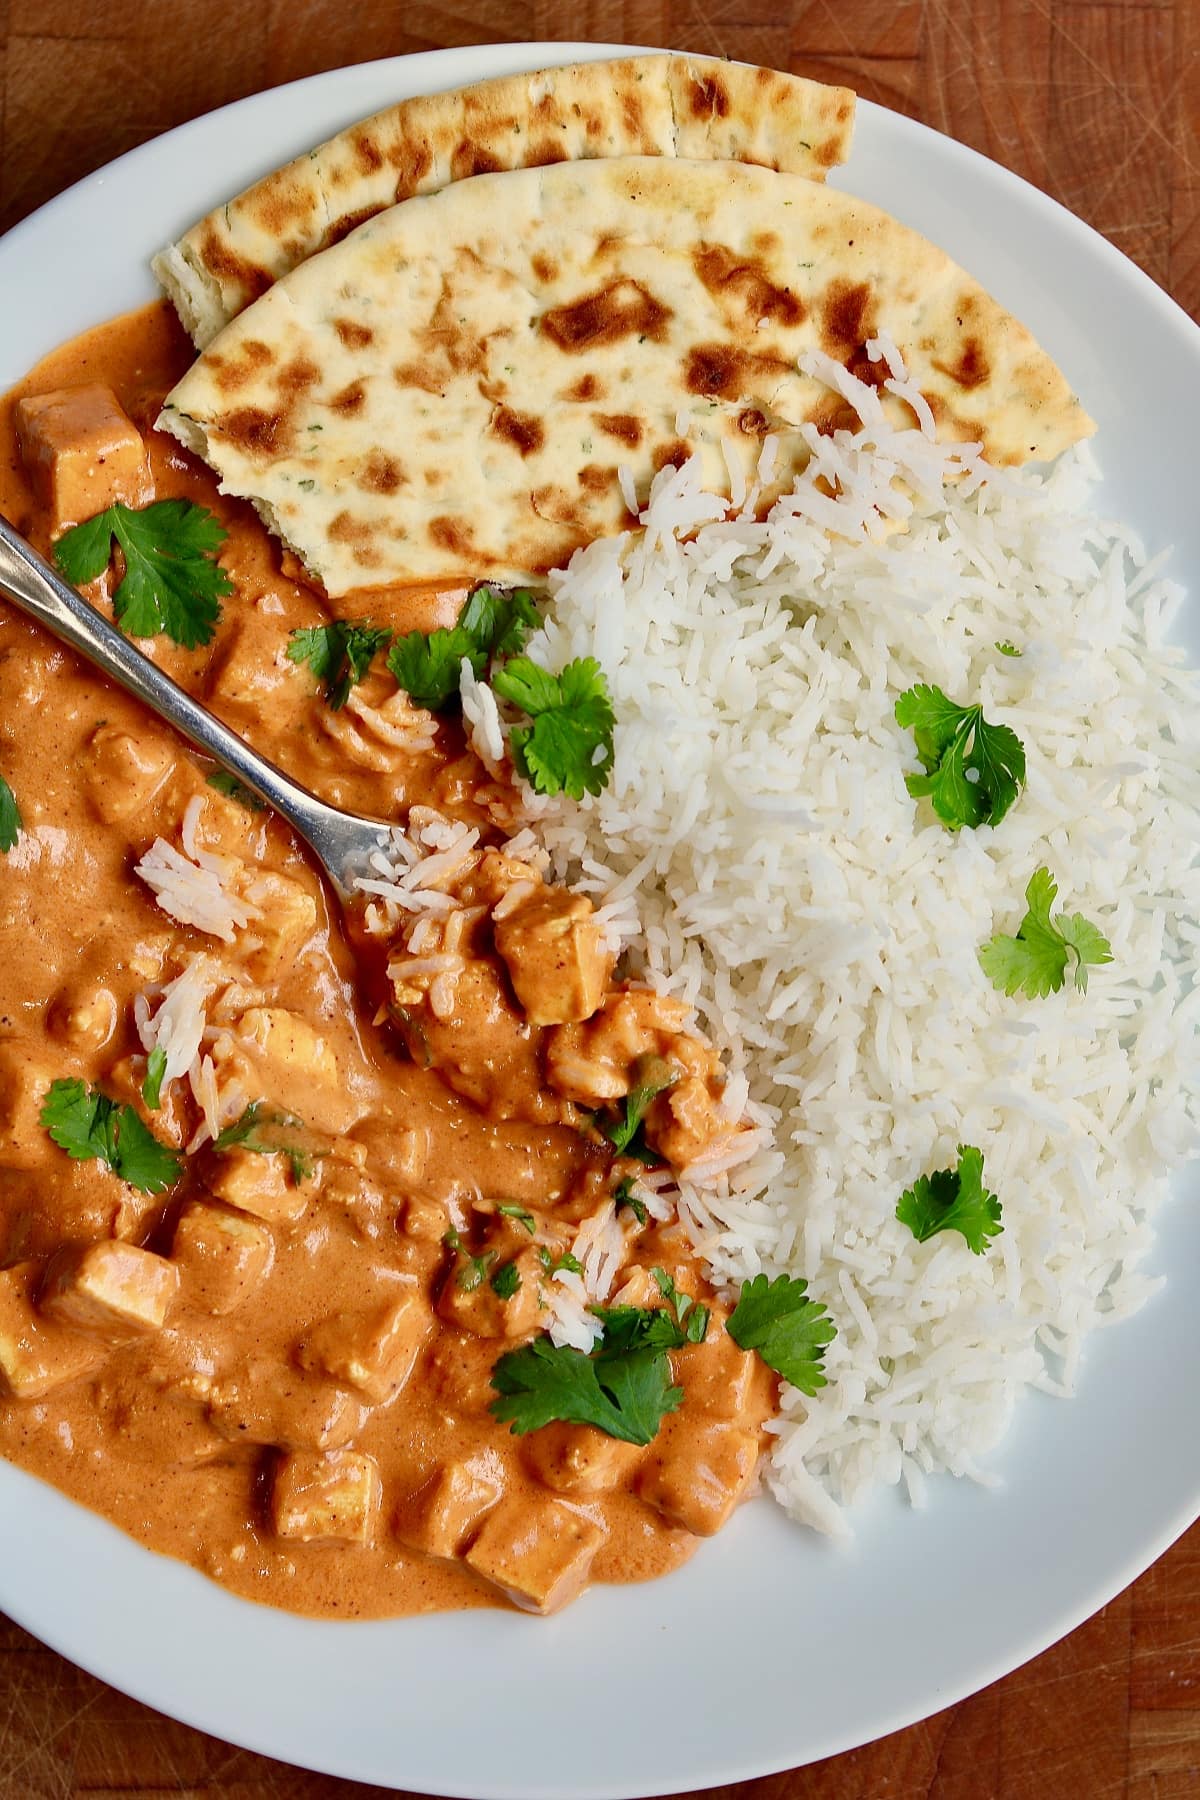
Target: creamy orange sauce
{"points": [[180, 1434]]}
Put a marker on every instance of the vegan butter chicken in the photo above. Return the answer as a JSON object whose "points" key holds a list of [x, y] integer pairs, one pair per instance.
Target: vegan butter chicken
{"points": [[291, 1204]]}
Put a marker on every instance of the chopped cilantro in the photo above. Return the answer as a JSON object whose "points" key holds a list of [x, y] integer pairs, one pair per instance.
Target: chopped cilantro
{"points": [[1007, 649], [656, 1077], [569, 747], [156, 1068], [86, 1124], [10, 817], [1035, 961], [506, 1281], [788, 1330], [233, 789], [623, 1195], [953, 1200], [973, 770], [692, 1317], [552, 1264], [624, 1388], [510, 1210], [259, 1132], [339, 654], [172, 583], [428, 667]]}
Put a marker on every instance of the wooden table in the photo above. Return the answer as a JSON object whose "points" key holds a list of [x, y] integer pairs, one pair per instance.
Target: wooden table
{"points": [[1097, 101]]}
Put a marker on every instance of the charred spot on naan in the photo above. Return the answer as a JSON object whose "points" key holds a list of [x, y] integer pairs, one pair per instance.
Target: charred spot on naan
{"points": [[719, 371], [240, 365], [625, 427], [360, 536], [345, 223], [412, 160], [970, 368], [708, 97], [523, 431], [231, 269], [352, 334], [283, 203], [351, 399], [588, 387], [258, 434], [455, 535], [381, 474], [469, 158], [622, 308], [742, 286], [847, 319]]}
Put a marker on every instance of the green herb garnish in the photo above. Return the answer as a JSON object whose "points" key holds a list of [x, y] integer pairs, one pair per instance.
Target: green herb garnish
{"points": [[1035, 961], [10, 817], [953, 1200], [506, 1281], [973, 770], [656, 1077], [258, 1131], [569, 747], [521, 1214], [233, 789], [87, 1124], [339, 654], [788, 1330], [623, 1195], [156, 1068], [172, 581], [428, 666]]}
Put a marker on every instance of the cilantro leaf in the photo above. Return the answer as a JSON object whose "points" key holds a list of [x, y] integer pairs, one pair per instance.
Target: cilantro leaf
{"points": [[260, 1133], [510, 1210], [953, 1200], [1007, 648], [625, 1394], [10, 817], [156, 1068], [552, 1264], [788, 1330], [506, 1281], [233, 789], [339, 654], [956, 743], [693, 1318], [172, 583], [656, 1077], [623, 1195], [1035, 961], [569, 747], [428, 667], [88, 1125]]}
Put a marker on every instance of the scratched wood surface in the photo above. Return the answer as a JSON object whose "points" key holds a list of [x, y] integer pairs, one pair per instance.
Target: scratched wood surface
{"points": [[1097, 102]]}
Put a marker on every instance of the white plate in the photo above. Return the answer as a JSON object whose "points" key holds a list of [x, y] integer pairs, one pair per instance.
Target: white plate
{"points": [[771, 1648]]}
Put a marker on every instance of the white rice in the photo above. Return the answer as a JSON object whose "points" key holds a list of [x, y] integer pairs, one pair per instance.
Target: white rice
{"points": [[197, 886], [825, 927]]}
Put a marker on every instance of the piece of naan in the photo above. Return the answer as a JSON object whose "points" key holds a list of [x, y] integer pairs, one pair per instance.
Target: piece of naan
{"points": [[689, 106], [451, 392]]}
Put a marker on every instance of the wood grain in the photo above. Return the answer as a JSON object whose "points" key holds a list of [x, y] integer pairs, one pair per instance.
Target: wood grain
{"points": [[1098, 103]]}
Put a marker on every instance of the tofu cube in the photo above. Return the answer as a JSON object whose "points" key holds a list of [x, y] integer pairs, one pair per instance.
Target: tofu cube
{"points": [[25, 1079], [723, 1381], [258, 1184], [539, 1558], [578, 1459], [440, 1517], [36, 1355], [221, 1256], [696, 1471], [329, 1498], [82, 452], [371, 1352], [270, 945], [555, 955], [469, 1300], [298, 1068], [123, 772], [267, 1404], [112, 1289]]}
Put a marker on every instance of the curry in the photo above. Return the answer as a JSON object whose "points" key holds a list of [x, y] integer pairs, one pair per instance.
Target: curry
{"points": [[280, 1369]]}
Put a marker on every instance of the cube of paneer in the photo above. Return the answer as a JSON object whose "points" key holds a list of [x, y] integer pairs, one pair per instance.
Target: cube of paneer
{"points": [[441, 1515], [258, 1183], [298, 1069], [37, 1355], [112, 1289], [265, 1404], [330, 1497], [221, 1256], [269, 946], [539, 1557], [696, 1471], [25, 1078], [578, 1459], [372, 1352], [493, 1298], [555, 954], [124, 771], [685, 1122], [82, 452], [722, 1380]]}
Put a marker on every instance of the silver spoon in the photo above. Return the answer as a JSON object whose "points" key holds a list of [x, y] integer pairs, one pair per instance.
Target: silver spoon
{"points": [[341, 841]]}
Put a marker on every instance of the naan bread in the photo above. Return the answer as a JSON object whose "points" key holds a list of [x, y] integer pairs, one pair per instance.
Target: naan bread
{"points": [[689, 106], [450, 392]]}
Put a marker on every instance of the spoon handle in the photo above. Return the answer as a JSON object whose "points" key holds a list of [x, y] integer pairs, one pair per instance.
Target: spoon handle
{"points": [[31, 584]]}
